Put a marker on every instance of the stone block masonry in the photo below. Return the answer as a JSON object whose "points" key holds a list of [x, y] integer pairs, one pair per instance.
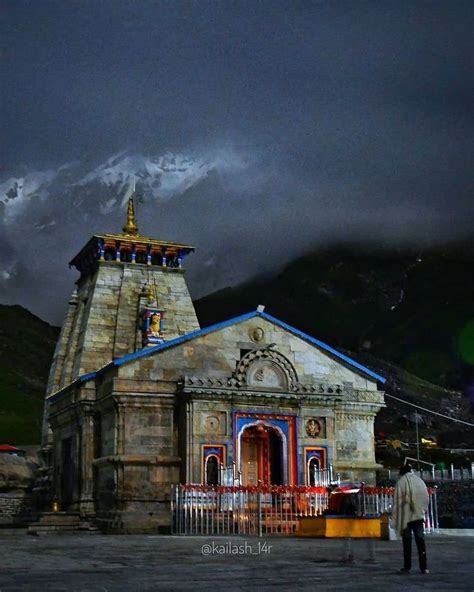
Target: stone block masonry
{"points": [[15, 508], [103, 321]]}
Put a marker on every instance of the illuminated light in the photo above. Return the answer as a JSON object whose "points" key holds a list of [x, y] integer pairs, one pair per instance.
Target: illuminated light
{"points": [[466, 343]]}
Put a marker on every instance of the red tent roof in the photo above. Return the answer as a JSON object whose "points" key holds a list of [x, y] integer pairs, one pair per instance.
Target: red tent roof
{"points": [[8, 448]]}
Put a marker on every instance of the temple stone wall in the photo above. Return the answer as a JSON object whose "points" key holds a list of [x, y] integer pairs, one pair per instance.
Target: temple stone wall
{"points": [[149, 430], [138, 460], [102, 319], [351, 450], [124, 437], [154, 414], [355, 449], [109, 327], [218, 352], [107, 433], [347, 435], [16, 508]]}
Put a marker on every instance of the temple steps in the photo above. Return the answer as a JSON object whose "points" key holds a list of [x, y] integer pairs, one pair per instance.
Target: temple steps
{"points": [[61, 522]]}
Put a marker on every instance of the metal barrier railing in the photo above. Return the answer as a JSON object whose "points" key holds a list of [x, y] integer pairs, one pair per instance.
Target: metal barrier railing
{"points": [[244, 510], [229, 475], [374, 501], [433, 475], [325, 477], [258, 510]]}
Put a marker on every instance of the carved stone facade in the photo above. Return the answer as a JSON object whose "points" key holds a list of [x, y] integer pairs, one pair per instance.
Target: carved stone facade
{"points": [[128, 421]]}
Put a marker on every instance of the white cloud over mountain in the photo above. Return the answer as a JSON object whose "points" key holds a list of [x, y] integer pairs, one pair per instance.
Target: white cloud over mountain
{"points": [[46, 216]]}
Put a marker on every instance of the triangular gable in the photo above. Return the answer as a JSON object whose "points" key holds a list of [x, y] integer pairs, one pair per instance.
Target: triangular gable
{"points": [[323, 346], [216, 327]]}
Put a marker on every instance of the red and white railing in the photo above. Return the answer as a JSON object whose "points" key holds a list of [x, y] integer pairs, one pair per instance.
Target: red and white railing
{"points": [[270, 509]]}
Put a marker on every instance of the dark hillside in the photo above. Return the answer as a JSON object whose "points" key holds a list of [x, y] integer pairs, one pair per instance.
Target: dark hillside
{"points": [[26, 348], [415, 310]]}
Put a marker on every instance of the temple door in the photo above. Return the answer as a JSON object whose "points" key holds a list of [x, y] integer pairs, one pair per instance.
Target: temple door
{"points": [[67, 473], [250, 458]]}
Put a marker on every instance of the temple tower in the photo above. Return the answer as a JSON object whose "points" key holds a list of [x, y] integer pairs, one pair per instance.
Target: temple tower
{"points": [[131, 294]]}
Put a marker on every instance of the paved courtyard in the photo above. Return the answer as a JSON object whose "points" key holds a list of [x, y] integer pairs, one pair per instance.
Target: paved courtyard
{"points": [[99, 563]]}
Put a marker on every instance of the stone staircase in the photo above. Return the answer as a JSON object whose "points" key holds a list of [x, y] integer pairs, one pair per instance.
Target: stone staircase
{"points": [[61, 522]]}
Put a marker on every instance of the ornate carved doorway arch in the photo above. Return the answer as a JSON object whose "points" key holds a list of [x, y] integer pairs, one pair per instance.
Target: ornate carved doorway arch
{"points": [[262, 456]]}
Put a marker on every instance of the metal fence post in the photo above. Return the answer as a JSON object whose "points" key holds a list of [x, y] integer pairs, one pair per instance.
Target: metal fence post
{"points": [[173, 509]]}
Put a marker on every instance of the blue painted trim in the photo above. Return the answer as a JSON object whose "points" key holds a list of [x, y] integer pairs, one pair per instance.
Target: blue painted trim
{"points": [[183, 339], [87, 377], [189, 336], [82, 379], [150, 350], [322, 345], [167, 344]]}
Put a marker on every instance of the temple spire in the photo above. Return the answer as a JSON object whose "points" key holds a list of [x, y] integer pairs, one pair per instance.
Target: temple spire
{"points": [[130, 227]]}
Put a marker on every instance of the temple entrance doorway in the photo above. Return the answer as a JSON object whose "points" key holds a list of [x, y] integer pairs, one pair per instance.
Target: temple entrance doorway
{"points": [[67, 473], [262, 456], [212, 470]]}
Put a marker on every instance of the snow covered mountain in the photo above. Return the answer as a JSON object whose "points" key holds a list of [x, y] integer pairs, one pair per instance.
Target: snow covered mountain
{"points": [[16, 192], [157, 178], [160, 178], [47, 215]]}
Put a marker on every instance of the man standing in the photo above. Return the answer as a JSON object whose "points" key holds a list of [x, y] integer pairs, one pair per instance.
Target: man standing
{"points": [[411, 501]]}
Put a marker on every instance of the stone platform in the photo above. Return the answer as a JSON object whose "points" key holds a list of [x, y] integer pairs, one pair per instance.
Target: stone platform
{"points": [[114, 563]]}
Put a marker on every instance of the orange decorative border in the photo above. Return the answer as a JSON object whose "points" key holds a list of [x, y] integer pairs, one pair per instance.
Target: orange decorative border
{"points": [[319, 452], [217, 450]]}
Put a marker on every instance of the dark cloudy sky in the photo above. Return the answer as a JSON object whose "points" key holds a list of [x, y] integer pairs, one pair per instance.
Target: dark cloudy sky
{"points": [[357, 114], [365, 89]]}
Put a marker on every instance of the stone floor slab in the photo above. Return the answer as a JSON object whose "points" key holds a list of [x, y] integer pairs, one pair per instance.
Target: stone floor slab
{"points": [[99, 563]]}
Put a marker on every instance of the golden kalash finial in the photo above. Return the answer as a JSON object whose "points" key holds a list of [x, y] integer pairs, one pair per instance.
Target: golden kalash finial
{"points": [[130, 227]]}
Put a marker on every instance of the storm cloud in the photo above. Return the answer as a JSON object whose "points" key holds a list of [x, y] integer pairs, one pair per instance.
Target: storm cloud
{"points": [[326, 122]]}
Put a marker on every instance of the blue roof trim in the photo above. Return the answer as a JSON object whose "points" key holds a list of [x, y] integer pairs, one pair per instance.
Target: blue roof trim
{"points": [[322, 345], [160, 347], [189, 336], [83, 378], [150, 350], [87, 377]]}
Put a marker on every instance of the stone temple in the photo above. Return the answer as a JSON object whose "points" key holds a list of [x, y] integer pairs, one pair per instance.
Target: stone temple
{"points": [[141, 398]]}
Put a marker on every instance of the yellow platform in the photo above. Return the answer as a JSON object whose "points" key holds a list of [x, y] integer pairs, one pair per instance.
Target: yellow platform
{"points": [[339, 527]]}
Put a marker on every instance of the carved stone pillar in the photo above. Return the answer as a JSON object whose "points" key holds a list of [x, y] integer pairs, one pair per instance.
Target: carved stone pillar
{"points": [[120, 427], [86, 499]]}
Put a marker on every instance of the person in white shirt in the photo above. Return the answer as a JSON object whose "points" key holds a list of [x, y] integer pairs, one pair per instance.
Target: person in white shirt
{"points": [[411, 500]]}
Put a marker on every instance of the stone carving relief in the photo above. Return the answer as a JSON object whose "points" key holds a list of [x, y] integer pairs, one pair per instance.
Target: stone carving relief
{"points": [[266, 374], [256, 334], [214, 423], [316, 427], [265, 368], [321, 389]]}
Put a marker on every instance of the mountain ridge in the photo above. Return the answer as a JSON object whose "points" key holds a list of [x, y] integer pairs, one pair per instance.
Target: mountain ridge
{"points": [[401, 314], [409, 308]]}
